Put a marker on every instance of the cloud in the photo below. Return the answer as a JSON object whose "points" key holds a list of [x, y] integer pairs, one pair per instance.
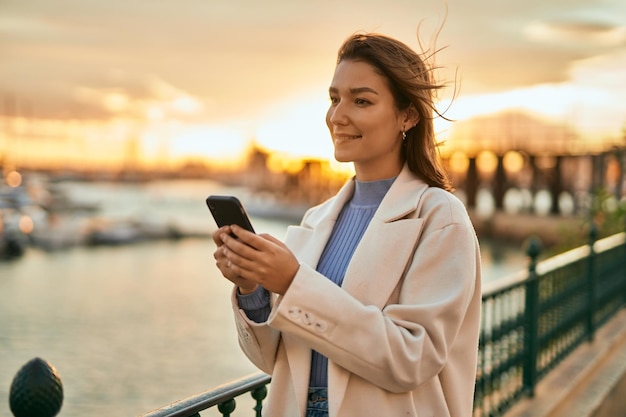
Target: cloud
{"points": [[603, 75], [231, 61], [504, 46], [213, 61], [143, 98], [577, 33], [603, 71]]}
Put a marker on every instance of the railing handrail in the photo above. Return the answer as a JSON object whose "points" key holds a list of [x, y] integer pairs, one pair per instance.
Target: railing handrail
{"points": [[217, 395], [552, 263]]}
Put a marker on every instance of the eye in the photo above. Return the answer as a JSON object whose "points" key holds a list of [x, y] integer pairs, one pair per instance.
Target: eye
{"points": [[361, 102], [334, 99]]}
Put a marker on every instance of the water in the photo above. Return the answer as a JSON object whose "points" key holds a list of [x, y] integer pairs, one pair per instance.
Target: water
{"points": [[132, 328]]}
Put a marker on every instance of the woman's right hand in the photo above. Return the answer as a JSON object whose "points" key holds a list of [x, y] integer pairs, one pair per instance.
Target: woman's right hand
{"points": [[224, 265]]}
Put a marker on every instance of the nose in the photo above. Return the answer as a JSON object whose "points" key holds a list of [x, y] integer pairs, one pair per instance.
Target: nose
{"points": [[337, 115]]}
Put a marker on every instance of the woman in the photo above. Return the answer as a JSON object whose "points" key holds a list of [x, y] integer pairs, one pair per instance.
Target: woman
{"points": [[371, 307]]}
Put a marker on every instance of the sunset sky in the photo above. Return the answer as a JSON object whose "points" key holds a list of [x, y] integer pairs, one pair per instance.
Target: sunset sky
{"points": [[205, 77]]}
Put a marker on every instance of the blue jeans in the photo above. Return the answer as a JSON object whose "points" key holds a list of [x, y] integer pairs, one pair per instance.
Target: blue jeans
{"points": [[317, 405]]}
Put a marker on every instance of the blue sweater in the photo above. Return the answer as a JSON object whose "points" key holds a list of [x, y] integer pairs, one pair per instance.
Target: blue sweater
{"points": [[346, 235]]}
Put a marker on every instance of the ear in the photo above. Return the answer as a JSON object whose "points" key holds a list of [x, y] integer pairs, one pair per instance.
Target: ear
{"points": [[411, 117]]}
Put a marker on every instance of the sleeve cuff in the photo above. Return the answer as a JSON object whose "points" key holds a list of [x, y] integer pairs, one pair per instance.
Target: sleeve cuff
{"points": [[256, 300]]}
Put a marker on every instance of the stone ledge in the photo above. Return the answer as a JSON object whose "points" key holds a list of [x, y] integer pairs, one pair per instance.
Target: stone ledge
{"points": [[578, 386]]}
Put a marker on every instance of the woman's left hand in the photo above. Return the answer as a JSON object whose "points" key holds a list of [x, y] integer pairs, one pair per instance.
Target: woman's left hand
{"points": [[260, 258]]}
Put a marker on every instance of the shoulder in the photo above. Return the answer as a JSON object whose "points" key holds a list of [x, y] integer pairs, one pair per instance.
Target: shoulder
{"points": [[437, 204]]}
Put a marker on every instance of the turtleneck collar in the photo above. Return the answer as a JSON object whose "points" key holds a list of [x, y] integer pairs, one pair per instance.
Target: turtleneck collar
{"points": [[370, 193]]}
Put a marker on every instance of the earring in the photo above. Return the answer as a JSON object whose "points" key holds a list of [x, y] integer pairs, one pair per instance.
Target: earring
{"points": [[403, 135]]}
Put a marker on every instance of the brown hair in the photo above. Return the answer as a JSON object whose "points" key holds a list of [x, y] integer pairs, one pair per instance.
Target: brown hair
{"points": [[412, 83]]}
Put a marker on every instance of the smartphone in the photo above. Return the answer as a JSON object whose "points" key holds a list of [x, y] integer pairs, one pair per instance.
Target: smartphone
{"points": [[227, 210]]}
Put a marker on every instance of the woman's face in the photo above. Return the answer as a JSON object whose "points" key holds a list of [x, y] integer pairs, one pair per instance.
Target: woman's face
{"points": [[364, 122]]}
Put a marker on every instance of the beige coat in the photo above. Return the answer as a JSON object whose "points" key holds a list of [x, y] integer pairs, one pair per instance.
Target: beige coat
{"points": [[401, 334]]}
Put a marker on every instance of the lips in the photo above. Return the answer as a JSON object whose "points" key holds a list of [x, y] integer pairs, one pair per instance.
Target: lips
{"points": [[346, 137]]}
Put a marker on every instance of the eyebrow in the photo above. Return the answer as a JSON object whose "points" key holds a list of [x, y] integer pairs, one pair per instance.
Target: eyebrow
{"points": [[355, 90]]}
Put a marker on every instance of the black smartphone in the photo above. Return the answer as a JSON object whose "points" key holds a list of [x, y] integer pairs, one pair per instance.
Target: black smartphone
{"points": [[227, 210]]}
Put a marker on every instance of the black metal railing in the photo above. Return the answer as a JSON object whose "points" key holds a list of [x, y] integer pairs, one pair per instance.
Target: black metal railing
{"points": [[222, 396], [534, 319], [530, 322]]}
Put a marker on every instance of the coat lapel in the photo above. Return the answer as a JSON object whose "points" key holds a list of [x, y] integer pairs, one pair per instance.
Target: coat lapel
{"points": [[307, 242], [390, 239], [391, 244]]}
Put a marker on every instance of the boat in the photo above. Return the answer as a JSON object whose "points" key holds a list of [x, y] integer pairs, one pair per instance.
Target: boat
{"points": [[13, 242]]}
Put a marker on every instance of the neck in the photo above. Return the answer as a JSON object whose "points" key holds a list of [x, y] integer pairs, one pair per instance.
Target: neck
{"points": [[367, 174]]}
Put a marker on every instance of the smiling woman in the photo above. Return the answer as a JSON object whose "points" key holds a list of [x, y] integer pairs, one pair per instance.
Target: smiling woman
{"points": [[370, 306]]}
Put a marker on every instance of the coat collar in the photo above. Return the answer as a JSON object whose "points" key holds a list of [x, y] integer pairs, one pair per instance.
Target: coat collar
{"points": [[390, 238], [401, 199]]}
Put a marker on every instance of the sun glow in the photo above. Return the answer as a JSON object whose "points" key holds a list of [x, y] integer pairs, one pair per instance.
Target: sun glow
{"points": [[164, 136], [297, 127]]}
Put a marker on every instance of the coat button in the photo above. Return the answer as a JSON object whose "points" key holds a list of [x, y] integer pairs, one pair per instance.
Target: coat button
{"points": [[321, 326], [307, 319], [294, 312]]}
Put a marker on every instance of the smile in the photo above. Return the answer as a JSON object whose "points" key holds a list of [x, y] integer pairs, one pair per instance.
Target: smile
{"points": [[347, 137]]}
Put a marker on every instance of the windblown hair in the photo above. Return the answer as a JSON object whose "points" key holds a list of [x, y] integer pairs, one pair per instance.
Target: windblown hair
{"points": [[411, 82]]}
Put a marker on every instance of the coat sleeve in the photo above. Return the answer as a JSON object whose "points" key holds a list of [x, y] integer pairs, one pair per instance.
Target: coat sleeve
{"points": [[406, 342], [258, 341]]}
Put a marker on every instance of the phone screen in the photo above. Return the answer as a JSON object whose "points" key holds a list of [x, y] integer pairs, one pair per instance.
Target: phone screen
{"points": [[227, 210]]}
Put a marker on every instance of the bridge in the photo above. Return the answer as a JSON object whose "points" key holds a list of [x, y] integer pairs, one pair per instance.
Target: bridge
{"points": [[517, 151]]}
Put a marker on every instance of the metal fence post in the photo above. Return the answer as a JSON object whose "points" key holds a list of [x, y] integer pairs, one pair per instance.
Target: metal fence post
{"points": [[591, 283], [531, 313], [227, 407], [259, 395]]}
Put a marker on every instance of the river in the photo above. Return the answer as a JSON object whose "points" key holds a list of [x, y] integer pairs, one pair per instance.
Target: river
{"points": [[132, 328]]}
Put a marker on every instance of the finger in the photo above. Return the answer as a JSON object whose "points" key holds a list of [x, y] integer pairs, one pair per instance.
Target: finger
{"points": [[219, 253], [222, 263], [240, 266], [239, 272], [226, 268], [221, 259], [271, 238], [218, 233], [232, 260], [249, 238], [238, 247]]}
